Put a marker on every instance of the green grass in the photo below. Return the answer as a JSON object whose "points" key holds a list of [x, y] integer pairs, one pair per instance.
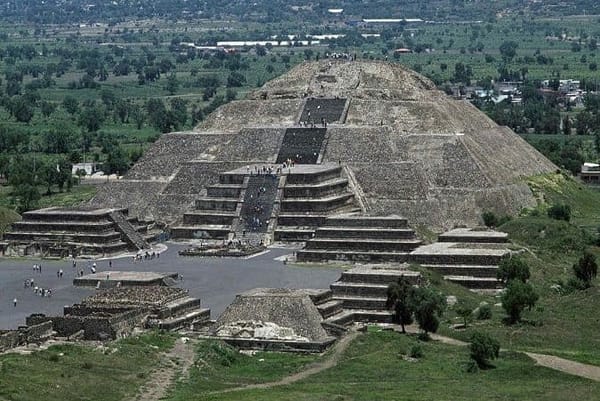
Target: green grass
{"points": [[75, 197], [373, 368], [219, 366], [77, 372]]}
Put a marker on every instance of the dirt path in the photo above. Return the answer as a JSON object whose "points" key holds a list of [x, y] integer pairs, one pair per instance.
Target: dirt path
{"points": [[172, 365], [567, 366], [333, 359]]}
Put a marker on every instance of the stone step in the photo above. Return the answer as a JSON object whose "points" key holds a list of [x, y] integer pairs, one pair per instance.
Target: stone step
{"points": [[321, 189], [343, 318], [302, 145], [178, 307], [364, 232], [366, 221], [301, 219], [208, 218], [358, 302], [222, 204], [343, 288], [293, 233], [373, 316], [313, 177], [330, 308], [475, 283], [320, 296], [224, 191], [365, 245], [101, 238], [324, 204], [319, 255], [473, 236], [205, 231], [231, 178], [70, 226], [471, 258], [378, 276], [464, 270], [188, 319]]}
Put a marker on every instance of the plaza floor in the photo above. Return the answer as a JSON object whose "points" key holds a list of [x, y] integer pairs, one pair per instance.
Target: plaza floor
{"points": [[215, 280]]}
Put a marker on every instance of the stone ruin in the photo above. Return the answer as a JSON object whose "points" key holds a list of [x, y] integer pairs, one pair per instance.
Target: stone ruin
{"points": [[117, 312], [371, 137], [60, 232]]}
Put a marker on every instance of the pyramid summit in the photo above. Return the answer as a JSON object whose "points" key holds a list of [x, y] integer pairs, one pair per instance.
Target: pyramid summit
{"points": [[366, 137]]}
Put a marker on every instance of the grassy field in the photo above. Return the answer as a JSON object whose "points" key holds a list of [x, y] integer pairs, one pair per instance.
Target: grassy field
{"points": [[374, 368], [76, 372]]}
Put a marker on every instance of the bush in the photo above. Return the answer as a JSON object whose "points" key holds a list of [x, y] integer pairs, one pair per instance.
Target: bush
{"points": [[516, 298], [560, 211], [513, 268], [465, 312], [483, 348], [416, 351], [489, 219], [484, 312], [586, 269], [87, 365]]}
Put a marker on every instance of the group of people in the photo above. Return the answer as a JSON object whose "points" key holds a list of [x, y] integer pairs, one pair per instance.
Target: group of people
{"points": [[42, 292], [144, 256]]}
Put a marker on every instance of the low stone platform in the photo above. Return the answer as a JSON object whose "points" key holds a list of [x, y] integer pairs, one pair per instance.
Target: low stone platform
{"points": [[117, 312], [126, 278], [60, 232], [468, 257]]}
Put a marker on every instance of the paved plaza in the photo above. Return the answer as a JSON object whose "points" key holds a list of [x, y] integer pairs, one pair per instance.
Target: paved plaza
{"points": [[215, 280]]}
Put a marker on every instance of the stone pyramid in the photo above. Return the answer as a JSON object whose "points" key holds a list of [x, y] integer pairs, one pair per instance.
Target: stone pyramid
{"points": [[405, 147]]}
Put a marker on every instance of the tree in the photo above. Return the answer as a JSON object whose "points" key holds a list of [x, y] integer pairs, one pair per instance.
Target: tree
{"points": [[560, 211], [21, 109], [586, 269], [483, 348], [465, 312], [428, 307], [70, 104], [172, 84], [508, 50], [91, 118], [398, 299], [27, 196], [516, 298], [235, 80], [116, 162], [513, 268]]}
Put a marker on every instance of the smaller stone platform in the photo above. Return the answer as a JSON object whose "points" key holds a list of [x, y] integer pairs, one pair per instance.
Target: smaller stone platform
{"points": [[109, 279], [468, 257]]}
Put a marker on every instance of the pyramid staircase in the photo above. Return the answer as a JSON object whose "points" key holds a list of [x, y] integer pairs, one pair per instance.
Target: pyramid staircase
{"points": [[302, 145], [129, 232], [309, 198], [215, 213], [360, 239]]}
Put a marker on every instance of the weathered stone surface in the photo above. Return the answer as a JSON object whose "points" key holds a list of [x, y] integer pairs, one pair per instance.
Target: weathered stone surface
{"points": [[412, 150]]}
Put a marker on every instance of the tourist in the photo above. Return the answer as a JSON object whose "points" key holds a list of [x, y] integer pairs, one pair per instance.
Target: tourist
{"points": [[110, 264], [15, 302], [60, 273]]}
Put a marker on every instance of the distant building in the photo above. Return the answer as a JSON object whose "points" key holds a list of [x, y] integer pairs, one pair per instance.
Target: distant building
{"points": [[89, 168], [590, 173]]}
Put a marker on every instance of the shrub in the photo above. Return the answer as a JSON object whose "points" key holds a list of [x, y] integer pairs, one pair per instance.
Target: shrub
{"points": [[484, 312], [586, 269], [560, 211], [483, 348], [53, 358], [516, 298], [398, 295], [513, 268], [489, 219], [87, 365], [416, 351], [465, 312]]}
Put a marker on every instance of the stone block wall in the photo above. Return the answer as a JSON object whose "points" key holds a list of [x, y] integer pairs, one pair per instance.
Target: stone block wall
{"points": [[8, 340]]}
